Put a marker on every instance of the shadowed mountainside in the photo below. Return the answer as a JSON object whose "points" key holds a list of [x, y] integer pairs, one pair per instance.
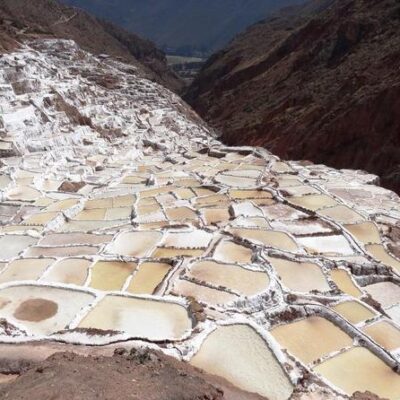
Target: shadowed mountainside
{"points": [[185, 27], [318, 82]]}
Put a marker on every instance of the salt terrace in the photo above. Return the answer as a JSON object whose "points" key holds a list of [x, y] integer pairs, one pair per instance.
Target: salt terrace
{"points": [[122, 218]]}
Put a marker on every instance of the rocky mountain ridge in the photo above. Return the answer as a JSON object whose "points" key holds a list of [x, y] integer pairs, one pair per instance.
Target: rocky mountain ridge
{"points": [[319, 82], [184, 27]]}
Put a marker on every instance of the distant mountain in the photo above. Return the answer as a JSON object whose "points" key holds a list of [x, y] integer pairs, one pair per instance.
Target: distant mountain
{"points": [[24, 19], [318, 82], [184, 27]]}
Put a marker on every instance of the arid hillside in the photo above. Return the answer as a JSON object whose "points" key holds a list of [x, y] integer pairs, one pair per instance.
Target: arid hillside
{"points": [[21, 19], [318, 82]]}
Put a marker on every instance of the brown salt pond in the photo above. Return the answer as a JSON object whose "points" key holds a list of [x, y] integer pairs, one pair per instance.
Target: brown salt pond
{"points": [[135, 244], [300, 276], [358, 369], [181, 214], [139, 318], [365, 232], [70, 271], [110, 275], [27, 269], [386, 293], [249, 194], [311, 338], [344, 282], [354, 312], [380, 253], [42, 310], [202, 293], [276, 239], [251, 366], [215, 215], [244, 281], [230, 252], [385, 334], [148, 277]]}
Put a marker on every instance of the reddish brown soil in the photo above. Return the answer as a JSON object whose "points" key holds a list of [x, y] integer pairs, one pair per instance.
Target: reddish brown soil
{"points": [[319, 82], [149, 376], [26, 19], [41, 372]]}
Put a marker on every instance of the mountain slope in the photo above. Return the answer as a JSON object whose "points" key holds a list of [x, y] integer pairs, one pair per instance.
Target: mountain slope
{"points": [[321, 82], [21, 19], [184, 26]]}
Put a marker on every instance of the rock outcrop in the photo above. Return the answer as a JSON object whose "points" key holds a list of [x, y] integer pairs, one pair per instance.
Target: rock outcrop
{"points": [[319, 82]]}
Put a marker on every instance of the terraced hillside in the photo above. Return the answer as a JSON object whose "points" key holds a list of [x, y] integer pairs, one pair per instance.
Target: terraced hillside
{"points": [[21, 19], [125, 223]]}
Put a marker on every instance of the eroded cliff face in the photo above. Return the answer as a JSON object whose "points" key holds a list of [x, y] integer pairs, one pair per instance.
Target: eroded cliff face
{"points": [[21, 20], [319, 82], [124, 221]]}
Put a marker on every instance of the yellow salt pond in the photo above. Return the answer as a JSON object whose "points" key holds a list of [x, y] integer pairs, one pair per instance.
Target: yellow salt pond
{"points": [[300, 276], [62, 205], [110, 275], [313, 202], [311, 338], [40, 218], [170, 252], [42, 310], [202, 293], [26, 269], [365, 232], [276, 239], [381, 254], [242, 280], [139, 318], [385, 334], [344, 282], [342, 214], [358, 369], [238, 354], [23, 193], [148, 277], [353, 311], [135, 244], [70, 271], [228, 252]]}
